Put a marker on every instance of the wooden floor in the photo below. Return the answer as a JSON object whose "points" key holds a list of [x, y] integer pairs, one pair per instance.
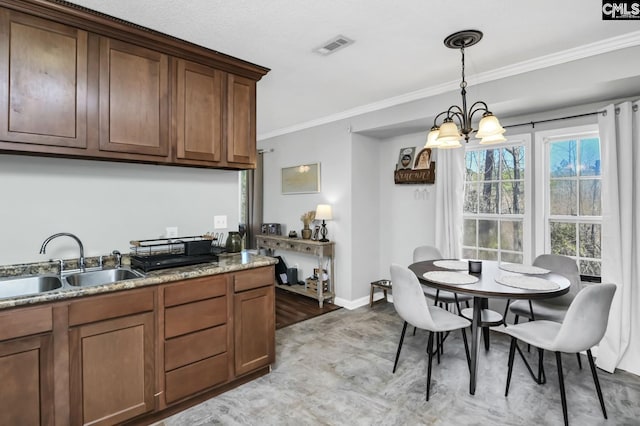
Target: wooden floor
{"points": [[292, 308]]}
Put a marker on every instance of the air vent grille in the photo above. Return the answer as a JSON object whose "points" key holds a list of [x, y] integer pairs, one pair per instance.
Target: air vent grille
{"points": [[333, 45]]}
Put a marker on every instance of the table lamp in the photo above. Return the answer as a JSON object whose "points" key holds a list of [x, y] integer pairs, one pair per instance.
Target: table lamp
{"points": [[323, 212]]}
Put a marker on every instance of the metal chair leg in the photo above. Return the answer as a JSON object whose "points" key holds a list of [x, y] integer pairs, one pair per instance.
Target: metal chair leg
{"points": [[597, 382], [430, 352], [404, 329], [542, 378], [579, 360], [563, 396], [466, 348], [512, 352]]}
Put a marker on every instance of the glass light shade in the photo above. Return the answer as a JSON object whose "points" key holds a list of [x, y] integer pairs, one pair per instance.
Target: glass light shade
{"points": [[489, 126], [323, 212], [449, 132], [432, 138], [488, 140]]}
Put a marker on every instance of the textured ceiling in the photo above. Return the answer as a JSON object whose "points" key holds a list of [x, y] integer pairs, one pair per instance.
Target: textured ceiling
{"points": [[398, 47]]}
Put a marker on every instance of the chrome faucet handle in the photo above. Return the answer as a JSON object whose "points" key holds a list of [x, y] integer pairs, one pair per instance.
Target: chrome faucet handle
{"points": [[118, 256], [101, 261], [60, 265]]}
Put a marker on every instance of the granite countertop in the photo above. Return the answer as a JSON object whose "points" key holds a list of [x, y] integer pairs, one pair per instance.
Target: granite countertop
{"points": [[226, 263]]}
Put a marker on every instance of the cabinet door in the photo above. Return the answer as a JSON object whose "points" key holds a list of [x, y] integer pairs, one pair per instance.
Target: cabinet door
{"points": [[241, 120], [43, 82], [198, 112], [254, 329], [112, 369], [26, 368], [134, 103]]}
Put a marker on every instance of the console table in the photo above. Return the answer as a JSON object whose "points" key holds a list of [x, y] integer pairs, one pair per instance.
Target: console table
{"points": [[315, 248]]}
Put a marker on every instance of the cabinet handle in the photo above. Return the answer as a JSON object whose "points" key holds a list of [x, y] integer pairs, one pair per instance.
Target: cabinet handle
{"points": [[308, 248]]}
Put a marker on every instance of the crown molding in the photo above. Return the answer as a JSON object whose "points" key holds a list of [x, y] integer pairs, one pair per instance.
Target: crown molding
{"points": [[588, 50]]}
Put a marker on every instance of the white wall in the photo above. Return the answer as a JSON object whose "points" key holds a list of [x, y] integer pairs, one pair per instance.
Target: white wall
{"points": [[105, 204], [330, 146]]}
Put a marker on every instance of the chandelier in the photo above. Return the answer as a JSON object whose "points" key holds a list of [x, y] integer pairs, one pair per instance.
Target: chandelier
{"points": [[457, 120]]}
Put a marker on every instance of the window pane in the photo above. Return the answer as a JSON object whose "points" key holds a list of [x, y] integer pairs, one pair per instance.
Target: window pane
{"points": [[590, 197], [563, 238], [590, 157], [562, 159], [473, 161], [512, 200], [513, 163], [511, 257], [511, 235], [590, 240], [590, 267], [469, 236], [488, 233], [489, 166], [488, 202], [471, 197], [469, 253], [562, 197], [487, 255]]}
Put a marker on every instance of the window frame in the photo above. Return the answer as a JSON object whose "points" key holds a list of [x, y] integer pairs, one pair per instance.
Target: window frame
{"points": [[523, 139], [542, 194]]}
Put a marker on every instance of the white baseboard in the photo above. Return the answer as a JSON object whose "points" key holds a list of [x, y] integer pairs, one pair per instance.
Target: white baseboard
{"points": [[363, 301]]}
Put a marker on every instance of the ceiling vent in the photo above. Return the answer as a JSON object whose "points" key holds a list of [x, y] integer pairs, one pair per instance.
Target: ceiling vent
{"points": [[333, 45]]}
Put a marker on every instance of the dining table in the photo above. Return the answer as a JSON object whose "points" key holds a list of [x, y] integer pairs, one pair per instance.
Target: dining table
{"points": [[495, 280]]}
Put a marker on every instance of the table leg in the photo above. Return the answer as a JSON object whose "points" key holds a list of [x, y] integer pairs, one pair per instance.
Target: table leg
{"points": [[475, 342]]}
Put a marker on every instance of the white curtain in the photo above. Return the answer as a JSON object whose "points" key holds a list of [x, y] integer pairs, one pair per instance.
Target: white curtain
{"points": [[620, 145], [449, 201]]}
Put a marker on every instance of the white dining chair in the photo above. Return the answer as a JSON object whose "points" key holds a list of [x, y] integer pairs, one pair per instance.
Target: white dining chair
{"points": [[411, 305], [583, 327]]}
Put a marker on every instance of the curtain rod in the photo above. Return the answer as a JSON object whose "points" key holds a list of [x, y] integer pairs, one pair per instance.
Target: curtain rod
{"points": [[533, 123]]}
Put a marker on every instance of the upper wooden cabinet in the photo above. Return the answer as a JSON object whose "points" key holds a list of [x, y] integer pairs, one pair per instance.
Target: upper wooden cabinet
{"points": [[134, 104], [198, 112], [43, 82], [241, 120], [80, 84]]}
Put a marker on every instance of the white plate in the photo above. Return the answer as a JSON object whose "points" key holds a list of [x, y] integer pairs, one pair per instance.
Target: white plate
{"points": [[523, 269], [527, 283], [456, 265], [447, 277]]}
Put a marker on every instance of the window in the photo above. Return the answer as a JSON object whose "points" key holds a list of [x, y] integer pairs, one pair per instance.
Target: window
{"points": [[570, 210], [495, 205]]}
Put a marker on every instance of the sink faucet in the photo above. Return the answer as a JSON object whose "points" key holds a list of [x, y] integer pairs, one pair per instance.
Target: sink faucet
{"points": [[65, 234], [118, 256]]}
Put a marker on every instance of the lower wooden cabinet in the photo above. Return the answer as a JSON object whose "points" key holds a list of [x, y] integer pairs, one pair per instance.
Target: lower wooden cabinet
{"points": [[26, 369], [254, 320], [112, 360]]}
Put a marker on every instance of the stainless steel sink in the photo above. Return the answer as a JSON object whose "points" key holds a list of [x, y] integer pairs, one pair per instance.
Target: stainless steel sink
{"points": [[24, 286], [104, 276]]}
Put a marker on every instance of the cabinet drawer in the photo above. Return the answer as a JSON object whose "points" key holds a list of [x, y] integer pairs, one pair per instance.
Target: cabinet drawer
{"points": [[195, 316], [194, 347], [195, 289], [24, 322], [195, 377], [111, 306], [253, 278]]}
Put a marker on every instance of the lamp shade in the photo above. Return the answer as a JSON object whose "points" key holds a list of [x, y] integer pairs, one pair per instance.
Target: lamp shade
{"points": [[488, 140], [432, 138], [323, 212], [489, 126], [449, 132]]}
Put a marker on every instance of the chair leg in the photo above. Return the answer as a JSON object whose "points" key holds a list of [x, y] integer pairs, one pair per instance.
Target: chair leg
{"points": [[430, 353], [506, 311], [597, 382], [404, 329], [512, 352], [515, 319], [438, 343], [563, 395], [414, 330], [579, 360], [542, 379], [466, 348]]}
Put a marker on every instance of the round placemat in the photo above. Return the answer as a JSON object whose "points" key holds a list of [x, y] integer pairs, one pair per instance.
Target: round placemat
{"points": [[446, 277], [455, 265], [527, 283], [523, 269]]}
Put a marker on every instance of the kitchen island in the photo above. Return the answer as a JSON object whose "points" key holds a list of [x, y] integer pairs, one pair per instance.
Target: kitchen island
{"points": [[138, 350]]}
